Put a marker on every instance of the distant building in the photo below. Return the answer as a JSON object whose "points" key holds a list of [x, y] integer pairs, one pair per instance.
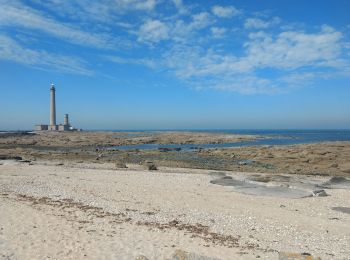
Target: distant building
{"points": [[63, 128], [53, 126], [41, 127]]}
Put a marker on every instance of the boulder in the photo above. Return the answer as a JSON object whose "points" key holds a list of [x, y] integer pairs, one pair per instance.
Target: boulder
{"points": [[120, 165], [150, 166], [319, 193]]}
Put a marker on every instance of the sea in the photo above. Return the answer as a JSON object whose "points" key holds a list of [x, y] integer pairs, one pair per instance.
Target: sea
{"points": [[269, 137]]}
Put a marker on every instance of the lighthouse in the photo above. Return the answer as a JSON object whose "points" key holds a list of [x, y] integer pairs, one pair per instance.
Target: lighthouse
{"points": [[52, 105], [53, 126]]}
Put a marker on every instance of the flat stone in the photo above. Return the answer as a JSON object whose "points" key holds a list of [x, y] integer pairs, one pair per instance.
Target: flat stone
{"points": [[296, 256], [342, 209], [250, 188], [183, 255], [336, 183]]}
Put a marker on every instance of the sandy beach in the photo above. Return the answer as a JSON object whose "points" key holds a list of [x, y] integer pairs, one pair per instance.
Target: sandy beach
{"points": [[94, 211]]}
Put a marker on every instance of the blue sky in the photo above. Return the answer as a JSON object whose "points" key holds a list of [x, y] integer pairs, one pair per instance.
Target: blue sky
{"points": [[172, 64]]}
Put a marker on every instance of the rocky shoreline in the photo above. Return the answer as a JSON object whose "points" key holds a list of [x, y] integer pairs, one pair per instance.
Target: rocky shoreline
{"points": [[330, 158]]}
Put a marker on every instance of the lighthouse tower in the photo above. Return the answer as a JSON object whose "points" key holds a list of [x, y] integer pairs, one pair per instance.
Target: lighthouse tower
{"points": [[53, 125]]}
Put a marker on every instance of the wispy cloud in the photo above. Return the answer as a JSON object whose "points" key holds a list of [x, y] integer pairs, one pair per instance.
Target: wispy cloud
{"points": [[180, 6], [291, 50], [153, 31], [143, 62], [225, 11], [101, 10], [200, 20], [257, 23], [195, 43], [12, 51], [16, 14], [218, 32], [285, 53]]}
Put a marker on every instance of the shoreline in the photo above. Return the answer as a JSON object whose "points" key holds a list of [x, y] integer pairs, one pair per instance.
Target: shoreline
{"points": [[326, 158]]}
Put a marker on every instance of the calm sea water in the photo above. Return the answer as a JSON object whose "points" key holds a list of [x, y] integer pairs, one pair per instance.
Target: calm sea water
{"points": [[273, 137]]}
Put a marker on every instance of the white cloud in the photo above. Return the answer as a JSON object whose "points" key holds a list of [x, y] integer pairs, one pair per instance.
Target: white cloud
{"points": [[257, 23], [218, 32], [153, 31], [297, 79], [145, 5], [144, 62], [19, 15], [10, 50], [290, 50], [200, 20], [225, 11], [180, 6], [246, 84], [285, 53], [187, 45], [102, 9]]}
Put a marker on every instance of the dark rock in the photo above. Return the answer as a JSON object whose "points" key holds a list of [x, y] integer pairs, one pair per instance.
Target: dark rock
{"points": [[24, 161], [165, 149], [10, 157], [337, 179], [319, 193], [150, 166]]}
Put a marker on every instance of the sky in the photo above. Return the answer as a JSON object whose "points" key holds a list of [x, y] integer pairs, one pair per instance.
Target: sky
{"points": [[176, 64]]}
